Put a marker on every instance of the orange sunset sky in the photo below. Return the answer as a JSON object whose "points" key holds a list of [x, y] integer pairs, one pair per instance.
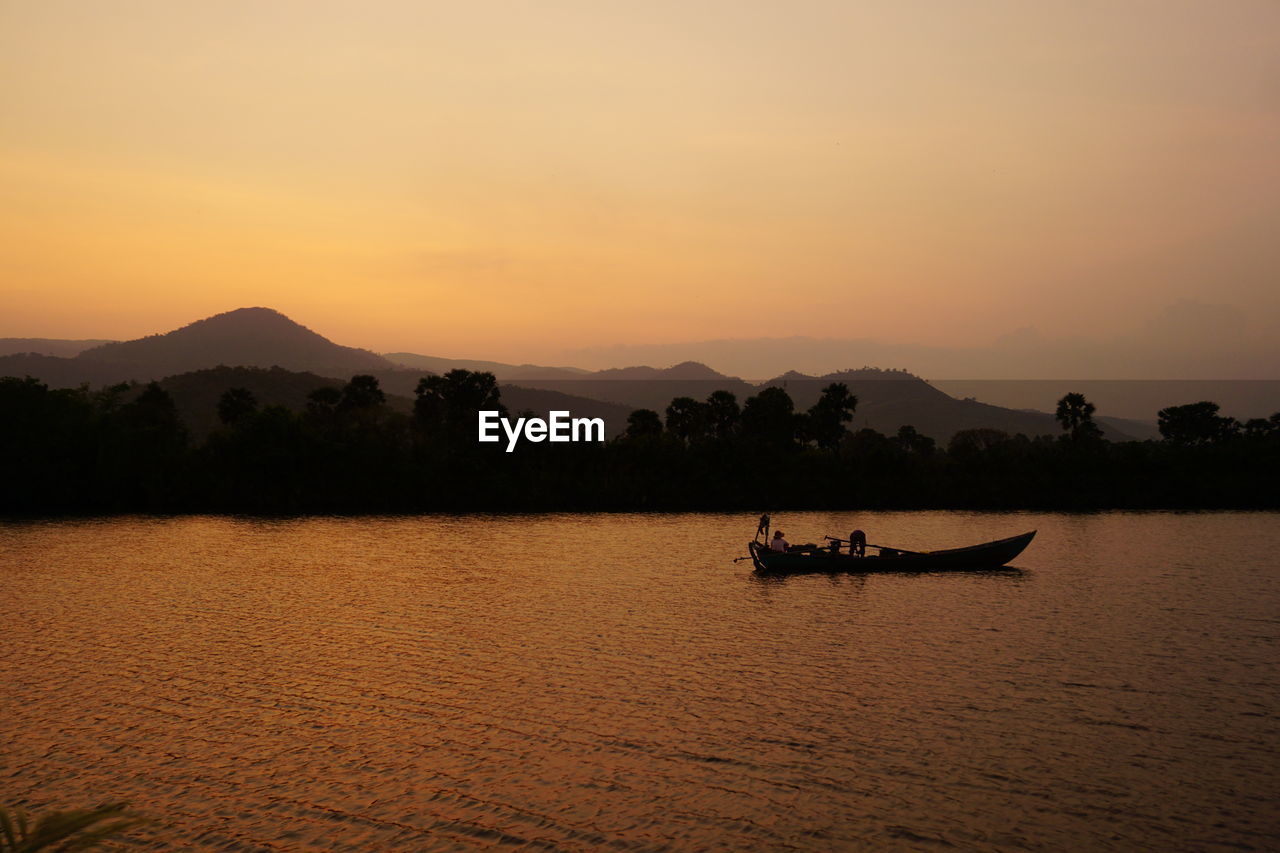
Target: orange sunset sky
{"points": [[520, 180]]}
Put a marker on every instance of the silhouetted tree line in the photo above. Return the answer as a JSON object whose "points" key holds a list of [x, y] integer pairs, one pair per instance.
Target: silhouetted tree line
{"points": [[124, 449]]}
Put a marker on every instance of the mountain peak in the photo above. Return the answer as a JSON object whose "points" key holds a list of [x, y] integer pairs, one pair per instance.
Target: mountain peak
{"points": [[245, 337], [243, 313], [873, 373], [245, 320], [692, 370], [683, 370]]}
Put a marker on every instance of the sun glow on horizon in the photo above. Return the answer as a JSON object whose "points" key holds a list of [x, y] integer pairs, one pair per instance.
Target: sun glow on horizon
{"points": [[513, 182]]}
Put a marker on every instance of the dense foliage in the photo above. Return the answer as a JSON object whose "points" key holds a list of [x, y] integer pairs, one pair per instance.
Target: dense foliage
{"points": [[124, 449], [65, 831]]}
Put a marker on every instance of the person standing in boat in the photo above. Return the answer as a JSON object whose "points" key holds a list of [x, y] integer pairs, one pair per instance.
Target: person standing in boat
{"points": [[857, 544], [778, 543]]}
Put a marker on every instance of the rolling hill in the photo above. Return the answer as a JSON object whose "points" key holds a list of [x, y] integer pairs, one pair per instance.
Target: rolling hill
{"points": [[888, 399]]}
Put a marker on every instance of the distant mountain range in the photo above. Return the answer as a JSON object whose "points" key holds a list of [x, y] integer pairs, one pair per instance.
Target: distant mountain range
{"points": [[46, 346], [503, 371], [1138, 399], [1186, 339], [888, 399], [278, 360], [200, 360], [196, 395]]}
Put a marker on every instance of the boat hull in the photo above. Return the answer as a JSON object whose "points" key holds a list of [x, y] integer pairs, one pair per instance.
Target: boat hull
{"points": [[987, 556]]}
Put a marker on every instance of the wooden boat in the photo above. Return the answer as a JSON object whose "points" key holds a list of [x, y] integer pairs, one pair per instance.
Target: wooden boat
{"points": [[812, 558]]}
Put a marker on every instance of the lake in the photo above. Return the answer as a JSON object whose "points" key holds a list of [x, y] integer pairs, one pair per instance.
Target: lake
{"points": [[615, 681]]}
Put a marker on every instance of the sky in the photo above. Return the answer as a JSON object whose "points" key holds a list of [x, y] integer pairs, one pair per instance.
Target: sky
{"points": [[526, 181]]}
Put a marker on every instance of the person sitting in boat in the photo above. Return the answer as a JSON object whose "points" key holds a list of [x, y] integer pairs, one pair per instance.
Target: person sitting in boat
{"points": [[778, 543]]}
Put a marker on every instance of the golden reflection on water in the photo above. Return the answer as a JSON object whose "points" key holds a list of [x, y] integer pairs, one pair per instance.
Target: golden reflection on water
{"points": [[580, 681]]}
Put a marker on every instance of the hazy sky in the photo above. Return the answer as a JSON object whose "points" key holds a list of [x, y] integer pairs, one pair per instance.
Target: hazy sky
{"points": [[518, 180]]}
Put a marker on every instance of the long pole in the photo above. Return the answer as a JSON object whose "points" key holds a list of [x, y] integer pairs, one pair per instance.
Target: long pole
{"points": [[869, 545]]}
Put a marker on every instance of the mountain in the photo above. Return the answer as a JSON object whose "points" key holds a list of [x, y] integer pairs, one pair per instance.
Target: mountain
{"points": [[685, 370], [642, 387], [1137, 429], [46, 346], [689, 370], [195, 359], [641, 394], [889, 399], [1185, 339], [871, 385], [1137, 399], [196, 394], [248, 337], [499, 369], [59, 372]]}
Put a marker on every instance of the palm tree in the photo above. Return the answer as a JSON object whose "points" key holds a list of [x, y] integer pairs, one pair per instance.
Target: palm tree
{"points": [[643, 422], [1075, 413], [76, 829], [687, 419], [827, 417], [723, 413]]}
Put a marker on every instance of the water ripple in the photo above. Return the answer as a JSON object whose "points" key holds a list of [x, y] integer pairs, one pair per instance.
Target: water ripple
{"points": [[586, 682]]}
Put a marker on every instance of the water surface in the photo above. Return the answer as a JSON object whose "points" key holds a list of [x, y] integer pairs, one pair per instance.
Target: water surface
{"points": [[588, 681]]}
